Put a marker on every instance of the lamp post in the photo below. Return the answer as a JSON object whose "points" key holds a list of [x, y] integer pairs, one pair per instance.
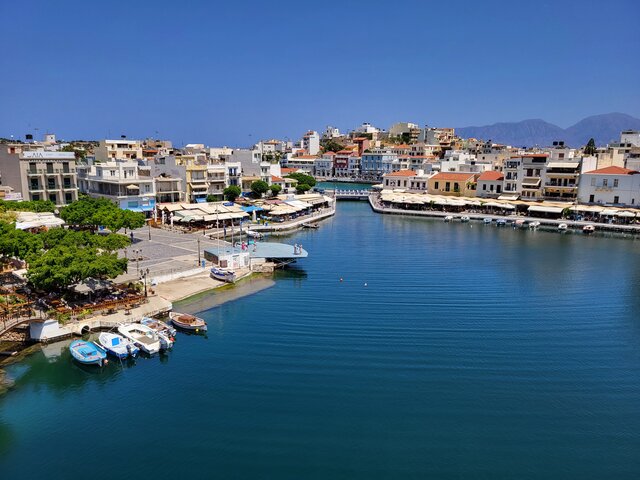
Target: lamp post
{"points": [[149, 226], [145, 274], [198, 252]]}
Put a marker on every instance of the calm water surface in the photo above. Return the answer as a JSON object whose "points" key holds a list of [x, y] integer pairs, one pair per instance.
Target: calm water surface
{"points": [[447, 351]]}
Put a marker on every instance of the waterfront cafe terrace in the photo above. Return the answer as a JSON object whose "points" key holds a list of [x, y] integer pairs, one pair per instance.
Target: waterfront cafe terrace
{"points": [[402, 199], [223, 214]]}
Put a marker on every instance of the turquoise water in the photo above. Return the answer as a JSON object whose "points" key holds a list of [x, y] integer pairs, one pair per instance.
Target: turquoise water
{"points": [[344, 186], [447, 351]]}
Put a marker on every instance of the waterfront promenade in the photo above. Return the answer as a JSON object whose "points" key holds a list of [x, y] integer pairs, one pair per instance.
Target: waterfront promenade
{"points": [[378, 207]]}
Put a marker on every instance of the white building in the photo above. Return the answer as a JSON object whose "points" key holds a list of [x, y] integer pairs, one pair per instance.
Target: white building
{"points": [[120, 182], [630, 137], [610, 186], [311, 142], [323, 166]]}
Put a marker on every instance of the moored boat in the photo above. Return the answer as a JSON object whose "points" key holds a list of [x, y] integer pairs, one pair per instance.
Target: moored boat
{"points": [[88, 353], [464, 219], [223, 275], [117, 345], [501, 222], [159, 326], [487, 221], [310, 225], [254, 234], [141, 336], [563, 227], [448, 218], [534, 225], [188, 322], [589, 228]]}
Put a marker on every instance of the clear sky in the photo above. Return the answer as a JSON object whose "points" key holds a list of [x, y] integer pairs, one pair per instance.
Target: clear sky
{"points": [[234, 72]]}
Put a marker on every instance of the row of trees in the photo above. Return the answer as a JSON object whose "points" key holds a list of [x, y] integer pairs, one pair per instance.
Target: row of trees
{"points": [[91, 213], [27, 206]]}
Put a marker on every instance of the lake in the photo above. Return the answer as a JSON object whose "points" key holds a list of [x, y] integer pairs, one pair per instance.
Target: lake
{"points": [[400, 348]]}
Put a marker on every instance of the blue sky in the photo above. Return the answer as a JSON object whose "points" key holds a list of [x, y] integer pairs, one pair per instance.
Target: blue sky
{"points": [[234, 72]]}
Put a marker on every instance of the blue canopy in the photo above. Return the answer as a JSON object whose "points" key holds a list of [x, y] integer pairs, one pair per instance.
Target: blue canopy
{"points": [[252, 208], [201, 200], [134, 209]]}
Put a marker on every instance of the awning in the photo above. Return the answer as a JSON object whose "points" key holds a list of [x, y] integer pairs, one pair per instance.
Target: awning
{"points": [[608, 211], [509, 197], [147, 208], [563, 165], [201, 200], [134, 209], [625, 214], [133, 187], [545, 209], [531, 183], [252, 208]]}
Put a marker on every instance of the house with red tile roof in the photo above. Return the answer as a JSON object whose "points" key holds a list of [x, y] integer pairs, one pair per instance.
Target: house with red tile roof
{"points": [[610, 186], [490, 184]]}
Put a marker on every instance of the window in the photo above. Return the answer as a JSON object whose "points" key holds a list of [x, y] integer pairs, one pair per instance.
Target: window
{"points": [[591, 199], [32, 168], [34, 184], [51, 183], [65, 167], [484, 186], [605, 182], [68, 198], [35, 196], [112, 173], [49, 167], [67, 183], [615, 184], [616, 199], [436, 185], [53, 197]]}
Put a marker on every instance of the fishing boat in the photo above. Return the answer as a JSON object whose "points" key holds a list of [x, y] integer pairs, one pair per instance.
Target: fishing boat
{"points": [[448, 218], [487, 221], [501, 222], [534, 225], [141, 336], [228, 276], [464, 219], [310, 225], [117, 345], [520, 223], [589, 228], [188, 322], [159, 326], [88, 353], [563, 227]]}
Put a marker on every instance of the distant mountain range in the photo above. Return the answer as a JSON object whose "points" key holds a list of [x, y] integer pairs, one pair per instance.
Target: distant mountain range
{"points": [[527, 133]]}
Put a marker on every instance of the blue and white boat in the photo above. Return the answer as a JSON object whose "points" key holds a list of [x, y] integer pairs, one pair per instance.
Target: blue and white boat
{"points": [[117, 345], [224, 275], [88, 353]]}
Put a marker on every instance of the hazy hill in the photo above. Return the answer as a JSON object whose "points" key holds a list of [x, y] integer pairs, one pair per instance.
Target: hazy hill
{"points": [[603, 128]]}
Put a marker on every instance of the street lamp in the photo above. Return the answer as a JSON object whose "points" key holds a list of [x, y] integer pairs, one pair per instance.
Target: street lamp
{"points": [[145, 274]]}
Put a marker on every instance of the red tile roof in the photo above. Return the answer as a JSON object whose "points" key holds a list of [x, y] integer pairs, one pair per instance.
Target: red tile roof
{"points": [[286, 171], [277, 179], [401, 173], [455, 176], [491, 176], [613, 171]]}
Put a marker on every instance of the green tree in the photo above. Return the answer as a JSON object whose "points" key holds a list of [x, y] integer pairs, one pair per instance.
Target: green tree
{"points": [[89, 212], [331, 145], [232, 192], [212, 198], [590, 149], [302, 187], [303, 178], [132, 220], [27, 206], [259, 188], [275, 189]]}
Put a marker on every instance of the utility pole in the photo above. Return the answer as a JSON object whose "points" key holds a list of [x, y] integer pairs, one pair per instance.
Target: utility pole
{"points": [[149, 225], [198, 252]]}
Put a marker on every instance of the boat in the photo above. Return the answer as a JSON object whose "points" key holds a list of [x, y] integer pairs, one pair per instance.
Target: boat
{"points": [[188, 322], [534, 225], [224, 275], [520, 223], [117, 345], [141, 336], [487, 221], [563, 227], [254, 234], [464, 219], [501, 222], [589, 228], [310, 225], [159, 326], [88, 353], [448, 218]]}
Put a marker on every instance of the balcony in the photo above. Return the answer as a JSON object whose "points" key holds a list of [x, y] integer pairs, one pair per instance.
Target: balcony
{"points": [[557, 185]]}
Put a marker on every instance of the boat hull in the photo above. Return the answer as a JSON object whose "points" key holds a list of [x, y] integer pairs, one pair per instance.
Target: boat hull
{"points": [[199, 326]]}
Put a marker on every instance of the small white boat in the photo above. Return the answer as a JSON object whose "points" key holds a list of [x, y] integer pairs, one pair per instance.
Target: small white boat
{"points": [[464, 219], [117, 345], [501, 222], [159, 326], [142, 336], [563, 227], [589, 228], [487, 221], [88, 353], [448, 218], [254, 234], [534, 225], [188, 322], [223, 275]]}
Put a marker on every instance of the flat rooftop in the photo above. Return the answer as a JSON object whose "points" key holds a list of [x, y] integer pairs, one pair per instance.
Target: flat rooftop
{"points": [[268, 250]]}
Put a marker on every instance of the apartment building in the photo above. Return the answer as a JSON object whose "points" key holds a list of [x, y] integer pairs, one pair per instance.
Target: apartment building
{"points": [[121, 149], [49, 176], [610, 186]]}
